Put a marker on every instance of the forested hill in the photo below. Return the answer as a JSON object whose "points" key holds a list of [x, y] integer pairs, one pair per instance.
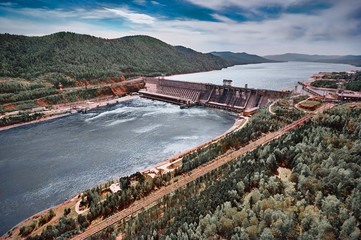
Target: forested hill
{"points": [[349, 59], [84, 56], [241, 58]]}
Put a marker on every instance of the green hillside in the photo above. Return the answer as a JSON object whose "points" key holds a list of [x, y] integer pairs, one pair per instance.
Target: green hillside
{"points": [[241, 58], [86, 57]]}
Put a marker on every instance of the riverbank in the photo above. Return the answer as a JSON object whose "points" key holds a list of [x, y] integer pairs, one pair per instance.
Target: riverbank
{"points": [[14, 233], [165, 166], [62, 110]]}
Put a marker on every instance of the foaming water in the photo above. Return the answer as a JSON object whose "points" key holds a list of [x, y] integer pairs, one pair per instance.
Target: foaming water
{"points": [[43, 164], [147, 128], [115, 122]]}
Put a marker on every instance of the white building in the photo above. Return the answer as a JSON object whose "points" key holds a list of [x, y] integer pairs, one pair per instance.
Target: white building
{"points": [[115, 187]]}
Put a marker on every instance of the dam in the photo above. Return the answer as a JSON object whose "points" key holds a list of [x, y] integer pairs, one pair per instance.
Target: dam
{"points": [[226, 96]]}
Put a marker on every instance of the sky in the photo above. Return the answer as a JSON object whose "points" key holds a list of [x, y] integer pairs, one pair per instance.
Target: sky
{"points": [[331, 27]]}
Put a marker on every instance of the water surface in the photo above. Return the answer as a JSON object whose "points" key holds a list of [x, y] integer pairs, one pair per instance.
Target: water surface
{"points": [[275, 76], [43, 164]]}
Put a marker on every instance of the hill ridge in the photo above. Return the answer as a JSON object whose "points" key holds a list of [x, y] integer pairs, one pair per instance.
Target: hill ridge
{"points": [[346, 59], [241, 58], [87, 57]]}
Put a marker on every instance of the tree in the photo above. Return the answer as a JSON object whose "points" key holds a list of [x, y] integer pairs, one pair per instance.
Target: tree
{"points": [[347, 228], [210, 230], [124, 182], [330, 206], [356, 205], [26, 230], [49, 232], [326, 231], [266, 234], [67, 211], [252, 231], [81, 219], [225, 225]]}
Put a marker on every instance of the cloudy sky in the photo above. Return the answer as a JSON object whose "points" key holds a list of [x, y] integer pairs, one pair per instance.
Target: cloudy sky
{"points": [[254, 26]]}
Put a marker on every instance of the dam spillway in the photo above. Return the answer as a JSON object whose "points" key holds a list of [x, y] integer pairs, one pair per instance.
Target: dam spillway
{"points": [[236, 99]]}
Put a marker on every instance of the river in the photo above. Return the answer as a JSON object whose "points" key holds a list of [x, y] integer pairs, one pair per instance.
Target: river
{"points": [[275, 76], [43, 164]]}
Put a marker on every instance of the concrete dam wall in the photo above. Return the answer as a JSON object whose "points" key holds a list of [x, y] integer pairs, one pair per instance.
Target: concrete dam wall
{"points": [[225, 96]]}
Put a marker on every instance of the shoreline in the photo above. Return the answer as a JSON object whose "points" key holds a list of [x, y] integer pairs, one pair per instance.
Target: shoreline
{"points": [[233, 65], [62, 110], [177, 157], [37, 215], [239, 122]]}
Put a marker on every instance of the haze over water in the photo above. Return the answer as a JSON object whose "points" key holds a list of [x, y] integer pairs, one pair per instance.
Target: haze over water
{"points": [[43, 164]]}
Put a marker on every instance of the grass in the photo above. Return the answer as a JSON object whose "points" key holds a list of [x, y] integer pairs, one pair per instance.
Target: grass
{"points": [[310, 105], [300, 99]]}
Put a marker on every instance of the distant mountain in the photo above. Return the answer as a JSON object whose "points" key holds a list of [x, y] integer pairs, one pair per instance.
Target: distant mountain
{"points": [[350, 59], [241, 58], [299, 57], [87, 57]]}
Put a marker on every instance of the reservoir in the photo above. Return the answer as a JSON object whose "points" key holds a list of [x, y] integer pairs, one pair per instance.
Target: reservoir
{"points": [[273, 76], [43, 164]]}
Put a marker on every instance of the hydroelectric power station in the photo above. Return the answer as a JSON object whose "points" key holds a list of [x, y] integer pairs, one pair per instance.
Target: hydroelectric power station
{"points": [[226, 96]]}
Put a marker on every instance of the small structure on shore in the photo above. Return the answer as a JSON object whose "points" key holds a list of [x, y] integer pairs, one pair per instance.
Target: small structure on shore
{"points": [[250, 111], [227, 83], [115, 187]]}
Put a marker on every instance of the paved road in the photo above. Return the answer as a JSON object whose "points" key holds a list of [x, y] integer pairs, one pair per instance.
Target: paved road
{"points": [[196, 173]]}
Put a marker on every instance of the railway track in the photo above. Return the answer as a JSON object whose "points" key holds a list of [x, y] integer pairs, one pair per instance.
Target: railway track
{"points": [[196, 173]]}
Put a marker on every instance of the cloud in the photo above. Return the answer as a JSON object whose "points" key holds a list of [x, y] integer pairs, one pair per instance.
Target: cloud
{"points": [[332, 30], [222, 18], [140, 2], [41, 13], [133, 17], [35, 28], [80, 13], [218, 5], [7, 4]]}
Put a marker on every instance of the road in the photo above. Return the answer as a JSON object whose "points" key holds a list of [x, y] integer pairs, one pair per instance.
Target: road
{"points": [[270, 107], [196, 173]]}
